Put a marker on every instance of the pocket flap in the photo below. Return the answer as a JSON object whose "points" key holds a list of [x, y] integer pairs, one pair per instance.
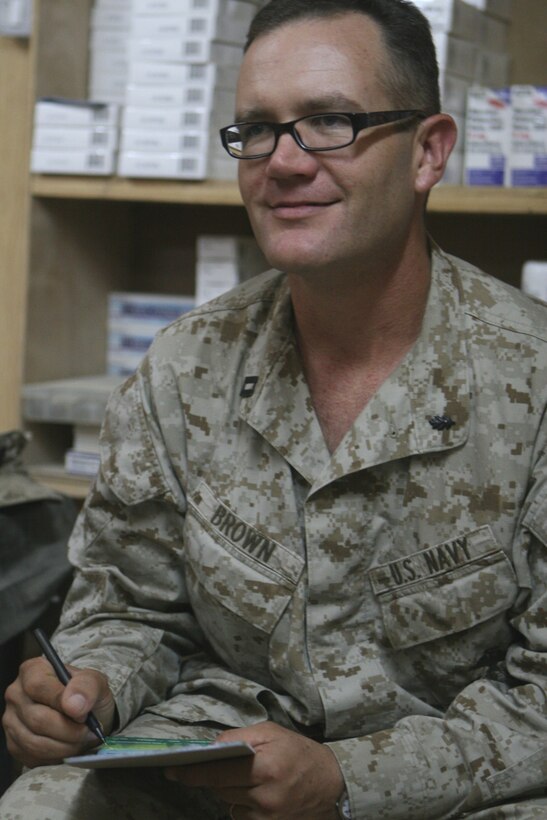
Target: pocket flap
{"points": [[445, 589]]}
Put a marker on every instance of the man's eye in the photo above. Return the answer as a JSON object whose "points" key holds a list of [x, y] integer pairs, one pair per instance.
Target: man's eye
{"points": [[253, 131], [329, 122]]}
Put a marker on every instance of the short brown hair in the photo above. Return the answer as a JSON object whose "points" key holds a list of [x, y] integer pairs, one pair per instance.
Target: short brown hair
{"points": [[412, 73]]}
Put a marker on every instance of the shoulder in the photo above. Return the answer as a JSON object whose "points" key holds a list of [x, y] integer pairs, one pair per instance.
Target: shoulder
{"points": [[245, 304], [491, 304]]}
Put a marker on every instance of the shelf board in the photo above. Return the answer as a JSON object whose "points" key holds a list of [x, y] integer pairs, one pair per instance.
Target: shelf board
{"points": [[208, 192], [444, 198], [56, 478], [488, 200]]}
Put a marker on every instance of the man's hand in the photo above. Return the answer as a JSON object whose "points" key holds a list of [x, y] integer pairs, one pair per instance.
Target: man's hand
{"points": [[44, 720], [289, 776]]}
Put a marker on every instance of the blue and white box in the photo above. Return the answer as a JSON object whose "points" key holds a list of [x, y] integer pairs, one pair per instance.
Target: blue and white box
{"points": [[528, 164], [487, 136], [133, 321]]}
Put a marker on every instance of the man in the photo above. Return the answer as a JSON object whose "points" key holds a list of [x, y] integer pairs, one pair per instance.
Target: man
{"points": [[319, 525]]}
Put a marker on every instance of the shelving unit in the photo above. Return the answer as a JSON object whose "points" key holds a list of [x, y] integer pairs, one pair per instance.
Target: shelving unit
{"points": [[71, 240]]}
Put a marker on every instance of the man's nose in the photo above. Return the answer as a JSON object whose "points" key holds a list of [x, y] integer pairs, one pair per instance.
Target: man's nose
{"points": [[288, 157]]}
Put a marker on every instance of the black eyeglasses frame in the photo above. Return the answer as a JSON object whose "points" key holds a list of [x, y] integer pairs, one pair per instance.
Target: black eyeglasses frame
{"points": [[359, 121]]}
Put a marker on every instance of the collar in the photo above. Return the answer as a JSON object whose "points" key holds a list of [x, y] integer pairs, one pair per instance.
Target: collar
{"points": [[432, 381]]}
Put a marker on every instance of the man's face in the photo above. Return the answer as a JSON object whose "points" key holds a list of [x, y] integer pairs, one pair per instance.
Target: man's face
{"points": [[346, 208]]}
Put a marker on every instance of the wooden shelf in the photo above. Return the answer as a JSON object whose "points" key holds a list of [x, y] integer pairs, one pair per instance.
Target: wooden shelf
{"points": [[444, 198], [55, 477], [208, 192], [468, 199]]}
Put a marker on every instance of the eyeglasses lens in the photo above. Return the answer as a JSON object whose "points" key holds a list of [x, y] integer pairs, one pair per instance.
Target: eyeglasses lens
{"points": [[323, 131]]}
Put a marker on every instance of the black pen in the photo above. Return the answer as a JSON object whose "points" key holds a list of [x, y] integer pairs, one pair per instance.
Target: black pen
{"points": [[64, 676]]}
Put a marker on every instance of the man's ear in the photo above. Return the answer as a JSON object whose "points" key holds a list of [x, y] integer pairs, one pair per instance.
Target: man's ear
{"points": [[435, 139]]}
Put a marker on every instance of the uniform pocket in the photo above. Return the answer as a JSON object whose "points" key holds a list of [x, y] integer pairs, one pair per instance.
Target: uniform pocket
{"points": [[239, 580], [445, 589]]}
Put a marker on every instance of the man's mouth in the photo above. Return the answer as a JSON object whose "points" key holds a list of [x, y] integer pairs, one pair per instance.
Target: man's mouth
{"points": [[287, 209]]}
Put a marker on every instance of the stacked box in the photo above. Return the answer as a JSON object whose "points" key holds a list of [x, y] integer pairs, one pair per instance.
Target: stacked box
{"points": [[457, 17], [175, 65], [454, 26], [487, 137], [74, 137], [528, 158], [15, 18], [133, 321], [497, 8], [222, 262], [109, 50], [471, 40]]}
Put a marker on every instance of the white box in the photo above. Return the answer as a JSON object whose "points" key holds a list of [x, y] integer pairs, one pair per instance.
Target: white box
{"points": [[243, 250], [534, 279], [188, 50], [180, 141], [157, 308], [170, 119], [214, 278], [230, 21], [162, 73], [161, 166], [455, 55], [112, 40], [528, 163], [83, 138], [171, 26], [195, 95], [186, 6], [454, 16], [154, 73], [133, 321], [62, 111], [109, 62], [94, 163], [103, 17], [487, 136]]}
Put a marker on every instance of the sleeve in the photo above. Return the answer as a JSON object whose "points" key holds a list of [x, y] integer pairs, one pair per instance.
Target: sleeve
{"points": [[490, 746], [127, 612]]}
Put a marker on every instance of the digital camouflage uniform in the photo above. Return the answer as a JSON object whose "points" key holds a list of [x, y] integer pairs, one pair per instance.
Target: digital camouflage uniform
{"points": [[388, 599]]}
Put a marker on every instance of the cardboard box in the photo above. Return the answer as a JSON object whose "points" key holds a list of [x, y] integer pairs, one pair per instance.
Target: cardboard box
{"points": [[487, 137]]}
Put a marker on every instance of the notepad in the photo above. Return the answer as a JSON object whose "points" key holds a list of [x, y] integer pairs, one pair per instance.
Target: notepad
{"points": [[129, 752]]}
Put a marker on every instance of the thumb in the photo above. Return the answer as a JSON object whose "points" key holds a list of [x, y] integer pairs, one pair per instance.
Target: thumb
{"points": [[83, 692]]}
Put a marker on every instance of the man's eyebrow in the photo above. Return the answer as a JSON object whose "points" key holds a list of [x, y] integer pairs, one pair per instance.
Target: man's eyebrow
{"points": [[315, 105]]}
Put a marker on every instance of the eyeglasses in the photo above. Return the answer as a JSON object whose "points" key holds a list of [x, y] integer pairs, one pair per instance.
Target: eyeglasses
{"points": [[317, 132]]}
